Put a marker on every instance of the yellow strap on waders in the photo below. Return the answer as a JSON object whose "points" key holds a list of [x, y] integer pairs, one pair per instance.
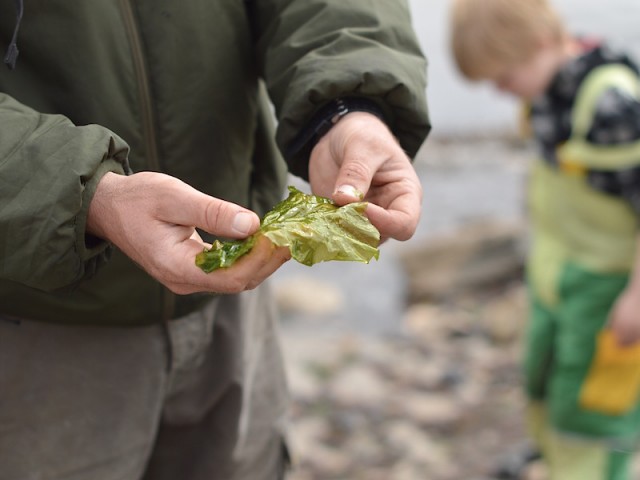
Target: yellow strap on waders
{"points": [[577, 156]]}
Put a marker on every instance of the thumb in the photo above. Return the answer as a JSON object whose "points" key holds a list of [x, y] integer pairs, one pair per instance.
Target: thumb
{"points": [[352, 182], [358, 145], [224, 219], [188, 206]]}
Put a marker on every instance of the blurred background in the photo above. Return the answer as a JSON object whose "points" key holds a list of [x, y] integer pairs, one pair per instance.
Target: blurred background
{"points": [[408, 368]]}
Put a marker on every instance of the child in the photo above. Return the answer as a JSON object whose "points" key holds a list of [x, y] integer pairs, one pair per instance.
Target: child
{"points": [[582, 362]]}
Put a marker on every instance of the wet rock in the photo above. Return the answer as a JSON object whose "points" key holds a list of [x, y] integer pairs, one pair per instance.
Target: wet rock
{"points": [[438, 411], [504, 317], [471, 258], [308, 433], [327, 462], [410, 442], [305, 295], [365, 448], [438, 321], [303, 382], [358, 385], [446, 379], [415, 371]]}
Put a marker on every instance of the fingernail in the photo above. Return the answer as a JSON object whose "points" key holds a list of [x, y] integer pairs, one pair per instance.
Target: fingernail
{"points": [[242, 223], [350, 191]]}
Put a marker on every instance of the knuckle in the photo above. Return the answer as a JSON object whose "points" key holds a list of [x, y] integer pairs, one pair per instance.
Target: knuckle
{"points": [[214, 214], [356, 169]]}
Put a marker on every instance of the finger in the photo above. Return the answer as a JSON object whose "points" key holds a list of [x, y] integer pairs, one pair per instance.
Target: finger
{"points": [[246, 273], [177, 270], [184, 205], [364, 144], [196, 236], [353, 180], [392, 223], [279, 256], [253, 268]]}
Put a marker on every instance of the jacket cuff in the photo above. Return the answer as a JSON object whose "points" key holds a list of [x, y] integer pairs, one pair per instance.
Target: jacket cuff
{"points": [[322, 122], [92, 251]]}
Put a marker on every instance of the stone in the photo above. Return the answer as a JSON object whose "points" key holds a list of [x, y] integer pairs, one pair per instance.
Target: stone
{"points": [[432, 410], [305, 295], [358, 385], [409, 440], [328, 462], [504, 317], [303, 384], [473, 257]]}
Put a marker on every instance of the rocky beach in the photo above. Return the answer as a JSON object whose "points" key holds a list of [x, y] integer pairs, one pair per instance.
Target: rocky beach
{"points": [[430, 390], [408, 368]]}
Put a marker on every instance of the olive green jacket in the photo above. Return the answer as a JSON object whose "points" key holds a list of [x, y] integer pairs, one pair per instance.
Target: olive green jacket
{"points": [[171, 86]]}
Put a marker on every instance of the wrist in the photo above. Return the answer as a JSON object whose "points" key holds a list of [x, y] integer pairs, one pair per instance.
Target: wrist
{"points": [[328, 116], [98, 211]]}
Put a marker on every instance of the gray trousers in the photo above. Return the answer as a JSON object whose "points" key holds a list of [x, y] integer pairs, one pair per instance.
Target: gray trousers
{"points": [[201, 398]]}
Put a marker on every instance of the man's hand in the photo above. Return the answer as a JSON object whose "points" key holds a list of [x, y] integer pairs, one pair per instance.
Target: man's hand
{"points": [[152, 217], [359, 159]]}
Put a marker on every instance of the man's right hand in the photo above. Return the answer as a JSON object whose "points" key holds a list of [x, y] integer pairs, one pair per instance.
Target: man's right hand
{"points": [[152, 218]]}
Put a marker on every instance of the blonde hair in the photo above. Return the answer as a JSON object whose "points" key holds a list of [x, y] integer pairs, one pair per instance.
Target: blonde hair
{"points": [[487, 35]]}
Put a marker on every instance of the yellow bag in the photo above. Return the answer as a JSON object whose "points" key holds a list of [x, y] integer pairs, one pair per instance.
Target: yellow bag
{"points": [[613, 382]]}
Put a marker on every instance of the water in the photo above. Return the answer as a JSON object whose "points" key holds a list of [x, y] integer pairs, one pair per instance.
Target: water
{"points": [[487, 187]]}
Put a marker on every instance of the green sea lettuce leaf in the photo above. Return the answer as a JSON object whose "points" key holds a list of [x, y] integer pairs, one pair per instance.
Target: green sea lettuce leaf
{"points": [[314, 228]]}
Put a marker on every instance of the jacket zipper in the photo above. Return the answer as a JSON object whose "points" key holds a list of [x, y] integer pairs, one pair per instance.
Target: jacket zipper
{"points": [[148, 125], [144, 90]]}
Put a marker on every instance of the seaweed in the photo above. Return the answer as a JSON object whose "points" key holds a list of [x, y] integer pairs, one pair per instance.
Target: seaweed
{"points": [[313, 227]]}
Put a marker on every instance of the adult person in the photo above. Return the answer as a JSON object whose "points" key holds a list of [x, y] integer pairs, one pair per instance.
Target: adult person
{"points": [[128, 130]]}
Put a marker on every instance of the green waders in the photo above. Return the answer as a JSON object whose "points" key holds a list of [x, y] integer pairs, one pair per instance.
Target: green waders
{"points": [[583, 249]]}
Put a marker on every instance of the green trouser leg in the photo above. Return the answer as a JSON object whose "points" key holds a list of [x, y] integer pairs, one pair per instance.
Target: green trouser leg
{"points": [[577, 442]]}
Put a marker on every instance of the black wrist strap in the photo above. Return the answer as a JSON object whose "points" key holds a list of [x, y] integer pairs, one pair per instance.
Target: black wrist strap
{"points": [[326, 118]]}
